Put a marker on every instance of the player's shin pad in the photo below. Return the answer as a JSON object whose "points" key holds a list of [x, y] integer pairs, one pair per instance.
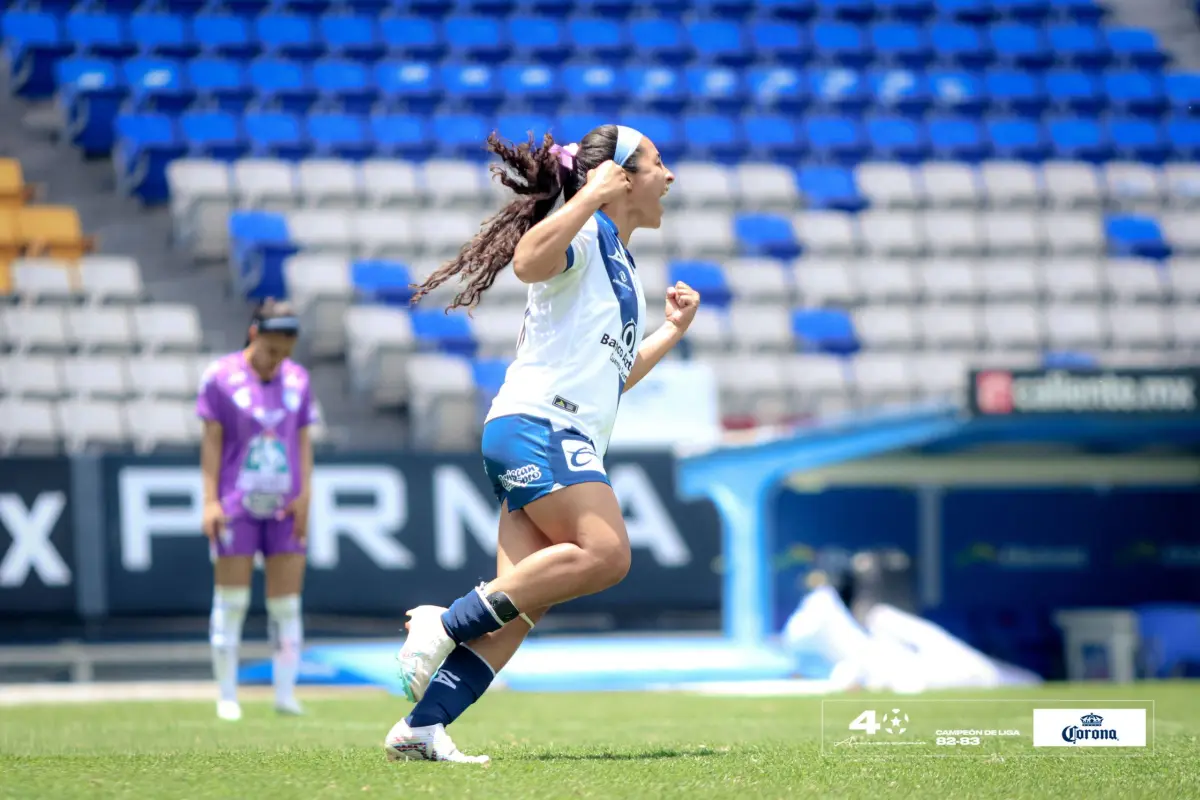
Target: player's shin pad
{"points": [[502, 608]]}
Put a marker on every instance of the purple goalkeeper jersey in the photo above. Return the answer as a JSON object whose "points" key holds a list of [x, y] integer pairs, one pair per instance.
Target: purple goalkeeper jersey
{"points": [[261, 421]]}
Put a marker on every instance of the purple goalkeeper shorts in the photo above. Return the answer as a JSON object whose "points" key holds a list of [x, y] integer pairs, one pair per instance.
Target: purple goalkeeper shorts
{"points": [[248, 537]]}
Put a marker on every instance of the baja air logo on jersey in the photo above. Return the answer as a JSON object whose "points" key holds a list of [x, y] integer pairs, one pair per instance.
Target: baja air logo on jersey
{"points": [[581, 456], [520, 476], [620, 268]]}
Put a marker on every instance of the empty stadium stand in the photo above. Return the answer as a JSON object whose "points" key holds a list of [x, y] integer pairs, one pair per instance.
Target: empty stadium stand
{"points": [[879, 194]]}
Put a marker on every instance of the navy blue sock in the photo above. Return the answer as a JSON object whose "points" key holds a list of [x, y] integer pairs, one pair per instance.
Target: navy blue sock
{"points": [[462, 679], [470, 617]]}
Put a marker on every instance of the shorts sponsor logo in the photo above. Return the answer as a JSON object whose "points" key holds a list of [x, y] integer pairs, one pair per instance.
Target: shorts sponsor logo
{"points": [[521, 476], [581, 456]]}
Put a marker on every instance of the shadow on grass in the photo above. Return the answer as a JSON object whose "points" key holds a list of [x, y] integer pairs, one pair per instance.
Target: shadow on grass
{"points": [[647, 755]]}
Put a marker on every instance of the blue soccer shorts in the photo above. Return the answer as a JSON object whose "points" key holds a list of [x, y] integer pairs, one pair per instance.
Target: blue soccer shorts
{"points": [[526, 458]]}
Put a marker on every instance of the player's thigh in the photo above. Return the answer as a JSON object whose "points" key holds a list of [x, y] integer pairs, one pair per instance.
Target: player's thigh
{"points": [[584, 514], [519, 538], [285, 574], [233, 571]]}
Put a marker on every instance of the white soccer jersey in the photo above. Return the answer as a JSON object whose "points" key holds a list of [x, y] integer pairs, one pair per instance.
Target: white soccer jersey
{"points": [[580, 337]]}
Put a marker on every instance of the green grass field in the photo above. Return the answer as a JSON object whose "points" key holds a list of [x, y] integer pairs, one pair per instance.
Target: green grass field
{"points": [[561, 745]]}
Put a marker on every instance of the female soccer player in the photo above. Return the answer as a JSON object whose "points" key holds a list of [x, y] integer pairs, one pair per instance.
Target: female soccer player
{"points": [[562, 534], [256, 458]]}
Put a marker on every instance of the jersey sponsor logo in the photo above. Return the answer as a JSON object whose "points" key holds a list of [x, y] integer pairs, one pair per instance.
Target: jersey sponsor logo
{"points": [[520, 476], [623, 348], [581, 456]]}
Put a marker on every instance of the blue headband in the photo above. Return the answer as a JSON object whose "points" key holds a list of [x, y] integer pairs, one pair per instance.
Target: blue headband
{"points": [[628, 140]]}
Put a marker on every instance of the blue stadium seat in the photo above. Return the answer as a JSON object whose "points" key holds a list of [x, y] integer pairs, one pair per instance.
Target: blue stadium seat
{"points": [[574, 127], [435, 330], [1135, 139], [1015, 91], [597, 38], [354, 37], [856, 10], [518, 128], [220, 83], [1020, 45], [289, 35], [662, 130], [539, 39], [1075, 91], [835, 139], [660, 40], [282, 84], [824, 330], [623, 8], [409, 37], [489, 375], [403, 136], [1183, 92], [733, 9], [1089, 11], [899, 90], [33, 42], [213, 134], [769, 235], [224, 35], [91, 91], [273, 134], [413, 85], [773, 137], [472, 87], [476, 38], [837, 43], [705, 277], [974, 11], [1135, 92], [461, 136], [957, 138], [787, 9], [900, 44], [960, 45], [158, 84], [1022, 10], [535, 86], [897, 139], [1019, 139], [145, 144], [343, 136], [1135, 47], [1184, 136], [829, 187], [164, 35], [718, 88], [713, 137], [958, 91], [914, 10], [595, 87], [783, 42], [779, 88], [1078, 139], [841, 89], [1132, 236], [102, 35], [719, 42], [382, 281], [1080, 45], [661, 89], [495, 8], [345, 85]]}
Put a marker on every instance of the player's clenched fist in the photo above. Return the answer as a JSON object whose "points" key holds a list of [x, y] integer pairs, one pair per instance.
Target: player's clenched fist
{"points": [[607, 182], [682, 302]]}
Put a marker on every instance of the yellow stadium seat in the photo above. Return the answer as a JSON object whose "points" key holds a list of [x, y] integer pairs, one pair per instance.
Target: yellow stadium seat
{"points": [[14, 193], [52, 231]]}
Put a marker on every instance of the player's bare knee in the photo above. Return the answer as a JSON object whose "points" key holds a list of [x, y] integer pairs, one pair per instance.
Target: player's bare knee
{"points": [[612, 565]]}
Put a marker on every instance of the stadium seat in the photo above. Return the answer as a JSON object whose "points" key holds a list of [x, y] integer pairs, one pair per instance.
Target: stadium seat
{"points": [[14, 192], [53, 231], [824, 330], [766, 235], [1130, 235], [830, 187]]}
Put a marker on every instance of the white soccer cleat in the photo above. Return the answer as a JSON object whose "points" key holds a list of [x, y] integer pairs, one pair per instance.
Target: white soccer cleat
{"points": [[424, 650], [430, 743], [229, 710], [289, 708]]}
